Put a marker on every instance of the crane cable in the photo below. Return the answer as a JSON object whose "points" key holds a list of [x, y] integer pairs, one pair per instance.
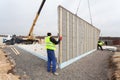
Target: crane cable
{"points": [[90, 12], [78, 7]]}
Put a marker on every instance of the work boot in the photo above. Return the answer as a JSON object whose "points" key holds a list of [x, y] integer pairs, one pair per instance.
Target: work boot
{"points": [[55, 73]]}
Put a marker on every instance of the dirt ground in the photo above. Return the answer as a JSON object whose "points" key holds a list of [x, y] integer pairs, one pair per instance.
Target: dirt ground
{"points": [[114, 69], [6, 67], [92, 67]]}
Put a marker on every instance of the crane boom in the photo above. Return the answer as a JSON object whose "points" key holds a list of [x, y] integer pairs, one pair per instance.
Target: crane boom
{"points": [[30, 35]]}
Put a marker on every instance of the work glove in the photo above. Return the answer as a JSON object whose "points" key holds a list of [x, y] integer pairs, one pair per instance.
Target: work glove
{"points": [[60, 37]]}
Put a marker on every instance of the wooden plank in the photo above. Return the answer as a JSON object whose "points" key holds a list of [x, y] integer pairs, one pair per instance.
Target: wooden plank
{"points": [[73, 26], [67, 36], [14, 50], [60, 33], [78, 47]]}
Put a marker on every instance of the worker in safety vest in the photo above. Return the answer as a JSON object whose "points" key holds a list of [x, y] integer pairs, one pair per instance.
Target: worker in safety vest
{"points": [[100, 44], [50, 46]]}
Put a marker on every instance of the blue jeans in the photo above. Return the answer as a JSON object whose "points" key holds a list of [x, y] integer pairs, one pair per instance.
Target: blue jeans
{"points": [[51, 59]]}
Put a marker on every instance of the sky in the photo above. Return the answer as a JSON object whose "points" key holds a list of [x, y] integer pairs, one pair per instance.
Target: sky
{"points": [[16, 16]]}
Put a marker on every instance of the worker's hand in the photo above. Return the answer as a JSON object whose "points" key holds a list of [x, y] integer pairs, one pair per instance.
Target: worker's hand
{"points": [[60, 37]]}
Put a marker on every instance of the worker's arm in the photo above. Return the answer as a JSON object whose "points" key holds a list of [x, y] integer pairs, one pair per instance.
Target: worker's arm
{"points": [[54, 41]]}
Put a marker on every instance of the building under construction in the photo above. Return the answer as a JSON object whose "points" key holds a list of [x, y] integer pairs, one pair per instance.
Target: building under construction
{"points": [[79, 40]]}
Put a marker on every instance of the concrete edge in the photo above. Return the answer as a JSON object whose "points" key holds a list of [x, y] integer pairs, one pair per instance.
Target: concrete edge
{"points": [[65, 64], [34, 53]]}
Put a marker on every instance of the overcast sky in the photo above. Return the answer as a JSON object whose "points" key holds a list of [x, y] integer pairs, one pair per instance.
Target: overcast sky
{"points": [[16, 16]]}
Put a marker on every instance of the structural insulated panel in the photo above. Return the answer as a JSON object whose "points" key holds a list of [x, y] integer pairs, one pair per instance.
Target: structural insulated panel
{"points": [[79, 37]]}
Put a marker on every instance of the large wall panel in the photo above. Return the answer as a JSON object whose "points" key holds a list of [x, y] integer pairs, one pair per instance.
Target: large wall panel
{"points": [[79, 37]]}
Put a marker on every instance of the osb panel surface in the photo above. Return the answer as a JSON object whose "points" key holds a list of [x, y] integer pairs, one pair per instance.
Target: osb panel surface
{"points": [[78, 35]]}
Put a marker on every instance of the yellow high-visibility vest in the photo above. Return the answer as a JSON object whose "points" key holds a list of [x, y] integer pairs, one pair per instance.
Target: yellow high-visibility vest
{"points": [[49, 44], [101, 43]]}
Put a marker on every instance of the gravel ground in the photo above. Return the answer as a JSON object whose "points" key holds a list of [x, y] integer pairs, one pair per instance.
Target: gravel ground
{"points": [[91, 67]]}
